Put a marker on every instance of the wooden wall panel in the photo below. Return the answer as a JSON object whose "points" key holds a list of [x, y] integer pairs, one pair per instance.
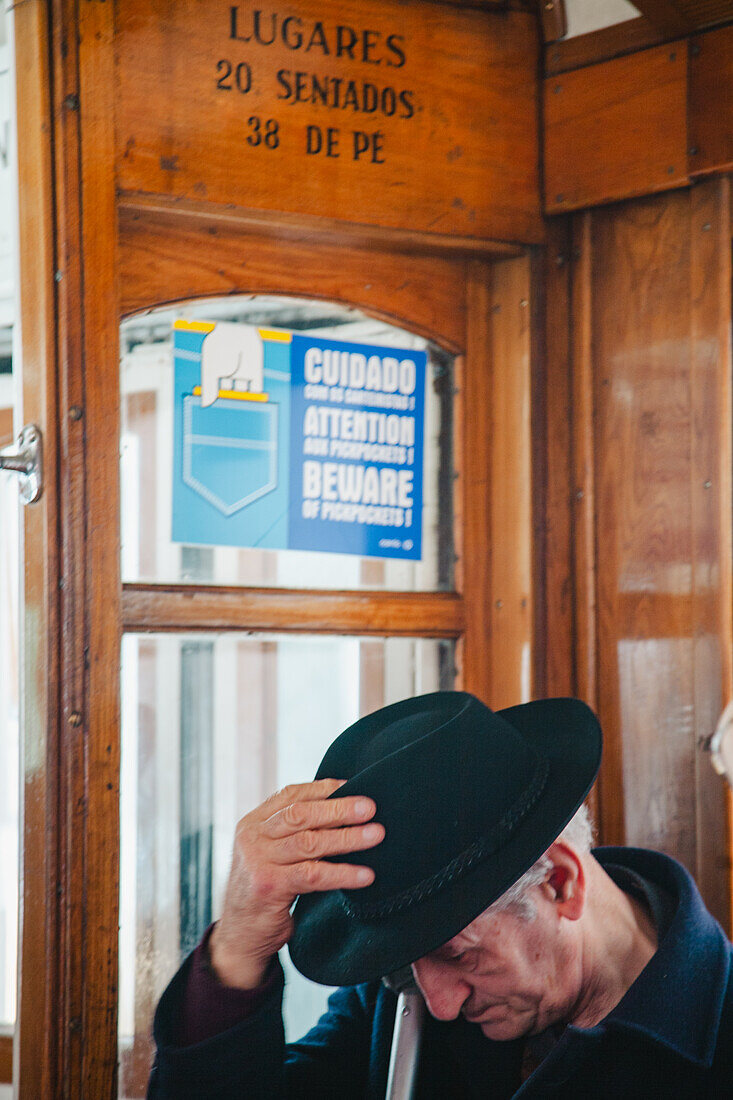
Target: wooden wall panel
{"points": [[166, 258], [655, 278], [616, 129], [647, 122], [641, 325], [711, 101], [422, 115], [712, 510]]}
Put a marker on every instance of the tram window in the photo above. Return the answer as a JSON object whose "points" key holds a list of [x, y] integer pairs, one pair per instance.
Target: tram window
{"points": [[211, 724], [159, 423]]}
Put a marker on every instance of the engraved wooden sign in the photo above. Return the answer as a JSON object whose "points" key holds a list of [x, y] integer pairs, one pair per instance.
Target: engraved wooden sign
{"points": [[407, 115]]}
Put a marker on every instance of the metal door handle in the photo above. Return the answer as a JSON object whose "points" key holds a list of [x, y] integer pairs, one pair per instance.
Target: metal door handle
{"points": [[720, 745], [26, 459]]}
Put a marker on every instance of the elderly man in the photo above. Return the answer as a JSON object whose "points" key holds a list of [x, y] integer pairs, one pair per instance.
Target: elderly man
{"points": [[442, 835]]}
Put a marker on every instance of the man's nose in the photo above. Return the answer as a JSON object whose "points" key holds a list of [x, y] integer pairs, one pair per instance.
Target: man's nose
{"points": [[444, 991]]}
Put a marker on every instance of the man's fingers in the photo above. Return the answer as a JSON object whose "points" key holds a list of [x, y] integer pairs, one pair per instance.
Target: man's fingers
{"points": [[317, 843], [315, 875], [296, 792], [298, 816]]}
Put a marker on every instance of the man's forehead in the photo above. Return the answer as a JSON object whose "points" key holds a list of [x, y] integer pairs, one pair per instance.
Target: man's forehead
{"points": [[480, 930]]}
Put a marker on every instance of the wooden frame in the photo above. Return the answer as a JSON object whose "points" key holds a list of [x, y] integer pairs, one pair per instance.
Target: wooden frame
{"points": [[65, 1036], [432, 294], [35, 1044], [603, 45], [644, 120], [491, 306], [181, 607], [80, 279], [664, 15]]}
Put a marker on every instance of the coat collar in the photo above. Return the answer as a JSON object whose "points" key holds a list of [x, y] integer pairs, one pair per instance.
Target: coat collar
{"points": [[678, 998]]}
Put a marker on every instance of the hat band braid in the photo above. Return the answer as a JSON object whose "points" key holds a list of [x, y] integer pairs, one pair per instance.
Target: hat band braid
{"points": [[461, 864]]}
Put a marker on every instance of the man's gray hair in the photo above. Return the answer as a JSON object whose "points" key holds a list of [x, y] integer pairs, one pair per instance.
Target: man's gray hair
{"points": [[579, 833]]}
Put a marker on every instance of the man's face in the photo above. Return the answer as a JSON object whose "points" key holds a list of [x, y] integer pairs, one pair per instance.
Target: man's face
{"points": [[510, 976]]}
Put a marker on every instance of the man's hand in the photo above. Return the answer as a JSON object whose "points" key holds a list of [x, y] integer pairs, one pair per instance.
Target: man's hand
{"points": [[278, 854]]}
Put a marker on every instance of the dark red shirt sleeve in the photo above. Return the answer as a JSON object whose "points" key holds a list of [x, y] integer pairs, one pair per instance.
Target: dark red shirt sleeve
{"points": [[209, 1008]]}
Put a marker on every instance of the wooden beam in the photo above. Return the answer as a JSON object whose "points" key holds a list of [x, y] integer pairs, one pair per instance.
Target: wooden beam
{"points": [[664, 15], [168, 256], [711, 102], [312, 228], [649, 121], [617, 129], [152, 607], [603, 45], [553, 19]]}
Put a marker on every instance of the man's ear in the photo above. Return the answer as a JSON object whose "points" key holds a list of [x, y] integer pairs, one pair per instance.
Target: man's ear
{"points": [[564, 884]]}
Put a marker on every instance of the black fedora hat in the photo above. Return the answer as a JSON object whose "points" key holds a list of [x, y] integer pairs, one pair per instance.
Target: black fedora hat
{"points": [[469, 799]]}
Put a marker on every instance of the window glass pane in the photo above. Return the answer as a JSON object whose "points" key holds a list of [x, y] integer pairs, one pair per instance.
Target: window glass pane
{"points": [[170, 436], [210, 726]]}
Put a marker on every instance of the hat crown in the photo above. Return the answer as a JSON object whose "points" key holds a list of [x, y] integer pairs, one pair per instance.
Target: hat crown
{"points": [[443, 770], [451, 780]]}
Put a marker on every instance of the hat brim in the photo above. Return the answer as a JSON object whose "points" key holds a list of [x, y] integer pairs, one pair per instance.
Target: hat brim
{"points": [[334, 947]]}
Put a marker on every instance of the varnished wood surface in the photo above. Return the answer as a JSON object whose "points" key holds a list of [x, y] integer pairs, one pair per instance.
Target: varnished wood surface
{"points": [[179, 607], [617, 129], [583, 495], [72, 821], [665, 15], [6, 427], [553, 19], [6, 1058], [711, 101], [643, 517], [467, 79], [583, 483], [646, 122], [602, 45], [37, 1022], [556, 466], [102, 559], [474, 536], [313, 228], [538, 448], [660, 303], [508, 425], [166, 257], [88, 813], [711, 460]]}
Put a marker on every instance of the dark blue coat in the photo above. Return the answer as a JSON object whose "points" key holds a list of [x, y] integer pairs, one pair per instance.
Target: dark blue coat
{"points": [[670, 1036]]}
